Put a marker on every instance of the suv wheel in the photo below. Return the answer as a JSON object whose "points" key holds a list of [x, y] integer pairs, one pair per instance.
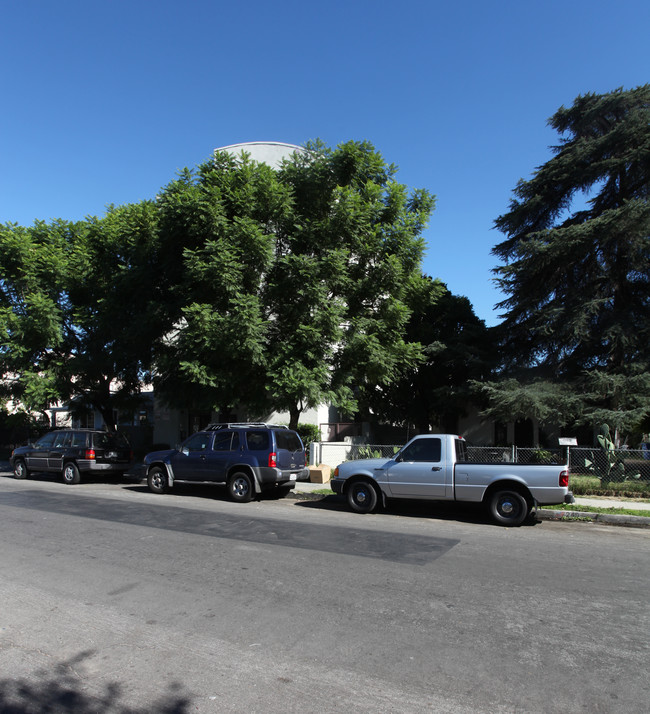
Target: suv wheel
{"points": [[240, 487], [20, 470], [71, 473], [157, 480]]}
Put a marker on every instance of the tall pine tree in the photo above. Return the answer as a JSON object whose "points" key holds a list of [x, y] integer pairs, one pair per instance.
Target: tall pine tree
{"points": [[576, 261]]}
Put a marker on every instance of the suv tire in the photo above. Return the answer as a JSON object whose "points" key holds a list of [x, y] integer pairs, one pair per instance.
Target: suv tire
{"points": [[71, 473], [20, 469], [157, 480], [240, 487]]}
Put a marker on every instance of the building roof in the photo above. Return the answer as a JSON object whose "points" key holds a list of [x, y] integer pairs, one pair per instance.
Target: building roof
{"points": [[267, 152]]}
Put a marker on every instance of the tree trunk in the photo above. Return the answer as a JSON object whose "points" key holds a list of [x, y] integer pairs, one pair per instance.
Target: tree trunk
{"points": [[294, 415]]}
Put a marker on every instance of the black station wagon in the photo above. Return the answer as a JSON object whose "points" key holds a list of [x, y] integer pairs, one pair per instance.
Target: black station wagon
{"points": [[72, 452]]}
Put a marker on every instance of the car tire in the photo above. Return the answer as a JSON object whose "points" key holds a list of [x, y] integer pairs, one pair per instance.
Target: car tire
{"points": [[157, 480], [240, 487], [20, 469], [71, 474], [508, 507], [362, 497]]}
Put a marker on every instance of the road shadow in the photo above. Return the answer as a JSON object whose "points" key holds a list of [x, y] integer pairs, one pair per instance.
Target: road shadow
{"points": [[60, 690], [52, 477], [432, 510], [213, 492]]}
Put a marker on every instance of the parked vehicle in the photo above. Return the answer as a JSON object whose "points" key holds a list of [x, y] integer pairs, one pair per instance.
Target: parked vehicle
{"points": [[435, 467], [72, 452], [247, 458]]}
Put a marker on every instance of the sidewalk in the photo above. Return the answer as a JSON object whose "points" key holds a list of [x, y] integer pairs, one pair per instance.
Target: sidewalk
{"points": [[548, 514]]}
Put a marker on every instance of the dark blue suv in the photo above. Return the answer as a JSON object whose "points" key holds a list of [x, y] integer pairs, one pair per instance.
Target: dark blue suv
{"points": [[248, 458]]}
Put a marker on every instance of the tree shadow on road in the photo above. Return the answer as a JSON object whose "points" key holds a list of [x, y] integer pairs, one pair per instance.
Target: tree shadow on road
{"points": [[61, 690]]}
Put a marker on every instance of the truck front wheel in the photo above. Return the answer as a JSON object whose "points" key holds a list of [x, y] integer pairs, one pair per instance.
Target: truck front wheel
{"points": [[362, 497], [508, 508]]}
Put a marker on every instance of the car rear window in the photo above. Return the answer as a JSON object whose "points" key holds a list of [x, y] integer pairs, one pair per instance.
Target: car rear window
{"points": [[257, 440], [288, 440], [110, 440]]}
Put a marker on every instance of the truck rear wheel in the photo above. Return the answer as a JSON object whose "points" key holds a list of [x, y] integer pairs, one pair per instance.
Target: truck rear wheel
{"points": [[508, 507], [362, 497]]}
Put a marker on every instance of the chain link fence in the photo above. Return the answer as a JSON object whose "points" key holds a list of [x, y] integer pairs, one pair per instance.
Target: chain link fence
{"points": [[616, 466]]}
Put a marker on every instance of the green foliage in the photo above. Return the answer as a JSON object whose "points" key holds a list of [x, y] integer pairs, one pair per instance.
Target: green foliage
{"points": [[608, 464], [239, 287], [542, 456], [308, 433], [456, 347], [293, 281], [576, 266], [582, 485]]}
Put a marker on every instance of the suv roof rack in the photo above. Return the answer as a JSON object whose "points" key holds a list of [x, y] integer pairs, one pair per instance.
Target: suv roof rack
{"points": [[244, 424]]}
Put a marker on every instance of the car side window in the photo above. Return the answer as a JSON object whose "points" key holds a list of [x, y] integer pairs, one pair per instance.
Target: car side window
{"points": [[422, 450], [45, 442], [78, 439], [226, 442], [62, 440], [198, 442]]}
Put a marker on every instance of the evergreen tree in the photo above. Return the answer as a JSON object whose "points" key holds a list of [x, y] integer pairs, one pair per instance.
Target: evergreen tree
{"points": [[576, 259]]}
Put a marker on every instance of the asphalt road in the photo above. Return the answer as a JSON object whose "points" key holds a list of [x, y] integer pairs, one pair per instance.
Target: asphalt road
{"points": [[116, 600]]}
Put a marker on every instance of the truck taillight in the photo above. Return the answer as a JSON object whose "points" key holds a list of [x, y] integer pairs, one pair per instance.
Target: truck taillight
{"points": [[90, 454], [564, 479], [273, 460]]}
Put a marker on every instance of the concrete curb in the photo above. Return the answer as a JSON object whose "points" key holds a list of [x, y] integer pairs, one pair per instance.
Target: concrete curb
{"points": [[610, 519]]}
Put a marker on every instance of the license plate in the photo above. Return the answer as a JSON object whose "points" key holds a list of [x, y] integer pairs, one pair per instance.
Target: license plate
{"points": [[293, 477]]}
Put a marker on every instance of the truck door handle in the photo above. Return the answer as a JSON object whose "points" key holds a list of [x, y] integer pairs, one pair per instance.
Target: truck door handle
{"points": [[437, 468]]}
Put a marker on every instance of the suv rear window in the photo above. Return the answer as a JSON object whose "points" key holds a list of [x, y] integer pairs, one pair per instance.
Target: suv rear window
{"points": [[288, 440], [257, 440], [110, 440]]}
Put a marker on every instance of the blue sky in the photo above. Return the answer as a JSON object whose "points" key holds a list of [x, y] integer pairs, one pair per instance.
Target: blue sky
{"points": [[103, 102]]}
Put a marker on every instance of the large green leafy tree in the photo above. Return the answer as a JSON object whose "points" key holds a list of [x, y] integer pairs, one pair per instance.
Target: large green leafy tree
{"points": [[576, 267], [217, 227], [79, 310], [345, 254], [288, 284], [112, 312], [457, 348], [33, 270]]}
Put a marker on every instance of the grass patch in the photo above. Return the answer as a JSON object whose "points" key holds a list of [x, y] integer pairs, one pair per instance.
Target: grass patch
{"points": [[591, 486], [598, 509]]}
